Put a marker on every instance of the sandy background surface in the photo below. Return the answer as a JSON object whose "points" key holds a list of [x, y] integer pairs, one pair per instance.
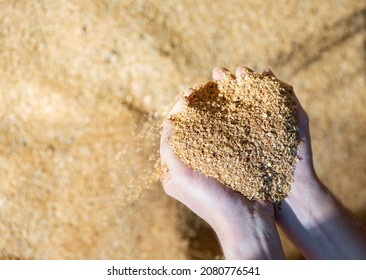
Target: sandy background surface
{"points": [[82, 84]]}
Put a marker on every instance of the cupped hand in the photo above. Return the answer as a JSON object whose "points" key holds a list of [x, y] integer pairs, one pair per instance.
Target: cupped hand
{"points": [[316, 222], [230, 214], [311, 216]]}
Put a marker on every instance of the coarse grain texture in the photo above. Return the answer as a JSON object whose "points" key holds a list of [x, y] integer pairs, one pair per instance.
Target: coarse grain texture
{"points": [[82, 82], [243, 132]]}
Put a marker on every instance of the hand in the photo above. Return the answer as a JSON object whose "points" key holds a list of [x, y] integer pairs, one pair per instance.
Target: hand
{"points": [[315, 221], [311, 217], [245, 229]]}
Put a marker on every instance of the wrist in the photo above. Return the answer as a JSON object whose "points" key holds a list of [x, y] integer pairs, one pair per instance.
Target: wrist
{"points": [[248, 231], [305, 201], [318, 224]]}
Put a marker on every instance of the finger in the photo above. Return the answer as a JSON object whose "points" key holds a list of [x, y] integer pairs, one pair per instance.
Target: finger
{"points": [[166, 135], [188, 94], [300, 110], [166, 152], [242, 71], [304, 151], [168, 185], [178, 107], [171, 188], [176, 181], [302, 121], [268, 72], [221, 73]]}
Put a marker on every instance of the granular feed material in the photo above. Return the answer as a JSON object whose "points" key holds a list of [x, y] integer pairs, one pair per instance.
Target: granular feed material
{"points": [[243, 132], [78, 80]]}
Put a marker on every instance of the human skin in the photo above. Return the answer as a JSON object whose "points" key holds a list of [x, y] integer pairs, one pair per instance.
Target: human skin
{"points": [[310, 216]]}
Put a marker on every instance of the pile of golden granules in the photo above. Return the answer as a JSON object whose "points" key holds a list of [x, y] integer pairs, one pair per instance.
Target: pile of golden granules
{"points": [[242, 132]]}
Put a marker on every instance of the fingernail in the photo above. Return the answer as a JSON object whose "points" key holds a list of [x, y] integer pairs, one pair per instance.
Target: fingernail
{"points": [[176, 109], [221, 73], [268, 72], [241, 71], [188, 94]]}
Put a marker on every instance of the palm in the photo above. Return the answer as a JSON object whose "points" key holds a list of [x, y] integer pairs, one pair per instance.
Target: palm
{"points": [[205, 196], [310, 215]]}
